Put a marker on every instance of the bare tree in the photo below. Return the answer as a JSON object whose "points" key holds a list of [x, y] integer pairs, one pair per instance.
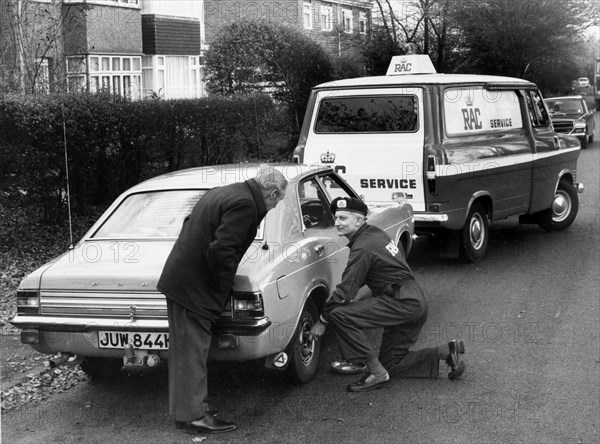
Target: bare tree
{"points": [[32, 35]]}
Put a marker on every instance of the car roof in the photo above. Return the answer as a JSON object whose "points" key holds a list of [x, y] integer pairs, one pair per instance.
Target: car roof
{"points": [[208, 177], [424, 79], [564, 97]]}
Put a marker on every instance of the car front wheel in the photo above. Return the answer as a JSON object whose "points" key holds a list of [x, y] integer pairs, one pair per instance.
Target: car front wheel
{"points": [[474, 234], [564, 208], [304, 358]]}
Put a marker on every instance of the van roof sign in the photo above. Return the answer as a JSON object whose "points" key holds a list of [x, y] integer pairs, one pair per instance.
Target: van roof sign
{"points": [[410, 64]]}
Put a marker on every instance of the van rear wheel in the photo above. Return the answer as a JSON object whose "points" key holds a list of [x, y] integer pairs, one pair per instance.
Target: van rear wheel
{"points": [[563, 211], [474, 234]]}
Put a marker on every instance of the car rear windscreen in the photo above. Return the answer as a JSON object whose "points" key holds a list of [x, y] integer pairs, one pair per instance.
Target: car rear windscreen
{"points": [[158, 214]]}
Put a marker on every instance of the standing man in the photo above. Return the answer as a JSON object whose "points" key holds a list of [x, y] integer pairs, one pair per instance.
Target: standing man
{"points": [[197, 281], [397, 304]]}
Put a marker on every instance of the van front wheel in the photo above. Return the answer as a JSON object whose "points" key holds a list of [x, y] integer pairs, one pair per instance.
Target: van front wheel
{"points": [[564, 208], [474, 234]]}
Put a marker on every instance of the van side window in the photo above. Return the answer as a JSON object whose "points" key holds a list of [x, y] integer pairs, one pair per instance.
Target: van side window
{"points": [[368, 114], [537, 110], [476, 110]]}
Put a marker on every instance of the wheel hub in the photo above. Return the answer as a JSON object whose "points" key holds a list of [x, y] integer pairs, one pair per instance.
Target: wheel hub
{"points": [[476, 232], [561, 207]]}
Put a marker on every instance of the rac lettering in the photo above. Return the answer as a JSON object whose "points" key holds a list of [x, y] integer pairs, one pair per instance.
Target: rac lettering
{"points": [[392, 248], [471, 118], [388, 183], [403, 67]]}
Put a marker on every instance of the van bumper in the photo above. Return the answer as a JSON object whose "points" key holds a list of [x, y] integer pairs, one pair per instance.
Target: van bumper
{"points": [[431, 219]]}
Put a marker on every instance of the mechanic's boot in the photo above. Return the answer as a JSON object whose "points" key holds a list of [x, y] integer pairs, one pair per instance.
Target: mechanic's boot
{"points": [[457, 367]]}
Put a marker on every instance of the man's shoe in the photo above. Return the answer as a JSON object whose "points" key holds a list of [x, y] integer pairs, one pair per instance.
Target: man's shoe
{"points": [[348, 367], [207, 424], [458, 345], [457, 367], [370, 382], [458, 371], [455, 347], [181, 424]]}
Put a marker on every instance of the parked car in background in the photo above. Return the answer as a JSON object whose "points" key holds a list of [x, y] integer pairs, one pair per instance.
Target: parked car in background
{"points": [[570, 115], [583, 82], [98, 305]]}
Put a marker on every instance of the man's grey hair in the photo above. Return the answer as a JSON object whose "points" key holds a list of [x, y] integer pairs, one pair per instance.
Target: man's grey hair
{"points": [[269, 178]]}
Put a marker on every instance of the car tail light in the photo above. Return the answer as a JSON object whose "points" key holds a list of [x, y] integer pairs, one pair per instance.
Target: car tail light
{"points": [[247, 305], [28, 301]]}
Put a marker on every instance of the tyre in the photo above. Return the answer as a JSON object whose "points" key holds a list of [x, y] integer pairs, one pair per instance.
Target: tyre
{"points": [[304, 354], [591, 138], [564, 208], [101, 369], [474, 234]]}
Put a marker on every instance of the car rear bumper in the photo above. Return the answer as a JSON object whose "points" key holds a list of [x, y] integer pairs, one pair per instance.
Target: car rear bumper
{"points": [[232, 339]]}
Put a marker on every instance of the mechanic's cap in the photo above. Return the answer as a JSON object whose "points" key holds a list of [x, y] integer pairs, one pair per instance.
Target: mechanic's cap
{"points": [[349, 204]]}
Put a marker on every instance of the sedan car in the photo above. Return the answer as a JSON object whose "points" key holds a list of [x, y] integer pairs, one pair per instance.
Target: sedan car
{"points": [[98, 306], [583, 82], [570, 115]]}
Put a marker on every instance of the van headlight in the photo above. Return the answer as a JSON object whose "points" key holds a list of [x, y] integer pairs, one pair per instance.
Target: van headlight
{"points": [[28, 301]]}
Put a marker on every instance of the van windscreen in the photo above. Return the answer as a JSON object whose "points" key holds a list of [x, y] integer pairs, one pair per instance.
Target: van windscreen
{"points": [[368, 114]]}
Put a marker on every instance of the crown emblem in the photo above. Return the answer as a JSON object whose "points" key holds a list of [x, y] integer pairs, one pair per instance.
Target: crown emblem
{"points": [[469, 101], [327, 157]]}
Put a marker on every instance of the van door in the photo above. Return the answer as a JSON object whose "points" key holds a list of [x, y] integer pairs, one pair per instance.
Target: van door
{"points": [[373, 138], [487, 149]]}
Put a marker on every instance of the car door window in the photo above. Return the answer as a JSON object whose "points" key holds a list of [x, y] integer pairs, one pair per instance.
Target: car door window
{"points": [[334, 187], [314, 205]]}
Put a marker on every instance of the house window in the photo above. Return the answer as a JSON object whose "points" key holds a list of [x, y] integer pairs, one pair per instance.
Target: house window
{"points": [[307, 15], [42, 78], [362, 22], [347, 20], [120, 75], [326, 18]]}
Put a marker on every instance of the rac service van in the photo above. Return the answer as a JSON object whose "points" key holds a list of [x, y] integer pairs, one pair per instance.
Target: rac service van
{"points": [[463, 150]]}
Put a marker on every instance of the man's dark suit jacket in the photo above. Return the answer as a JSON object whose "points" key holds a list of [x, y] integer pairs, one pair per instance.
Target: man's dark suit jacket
{"points": [[199, 271]]}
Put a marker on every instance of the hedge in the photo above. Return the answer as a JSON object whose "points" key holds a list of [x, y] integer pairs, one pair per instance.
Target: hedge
{"points": [[113, 143]]}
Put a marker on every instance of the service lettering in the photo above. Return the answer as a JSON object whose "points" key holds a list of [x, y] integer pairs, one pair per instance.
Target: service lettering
{"points": [[501, 123], [388, 183]]}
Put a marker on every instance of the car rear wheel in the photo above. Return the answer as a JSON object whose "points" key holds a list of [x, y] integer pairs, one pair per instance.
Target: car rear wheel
{"points": [[563, 211], [474, 234], [304, 358], [101, 369]]}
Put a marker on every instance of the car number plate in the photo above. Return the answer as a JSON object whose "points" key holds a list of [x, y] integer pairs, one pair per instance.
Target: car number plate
{"points": [[141, 340]]}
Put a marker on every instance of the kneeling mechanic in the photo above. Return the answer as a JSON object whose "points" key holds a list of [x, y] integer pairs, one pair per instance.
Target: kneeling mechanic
{"points": [[398, 305]]}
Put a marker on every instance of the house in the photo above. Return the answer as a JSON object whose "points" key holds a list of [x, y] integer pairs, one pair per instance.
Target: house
{"points": [[145, 48], [337, 25]]}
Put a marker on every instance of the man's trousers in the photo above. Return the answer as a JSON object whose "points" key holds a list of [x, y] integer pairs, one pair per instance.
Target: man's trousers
{"points": [[189, 343], [402, 317]]}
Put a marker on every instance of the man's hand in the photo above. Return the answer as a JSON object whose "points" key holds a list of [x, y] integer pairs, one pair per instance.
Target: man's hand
{"points": [[317, 331]]}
